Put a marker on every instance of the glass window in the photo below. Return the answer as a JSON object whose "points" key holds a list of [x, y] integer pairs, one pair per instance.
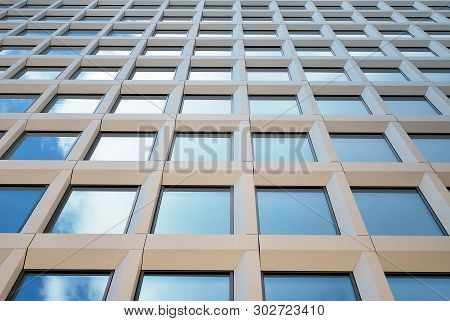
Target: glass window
{"points": [[164, 51], [213, 6], [405, 7], [94, 210], [420, 287], [17, 204], [126, 33], [92, 73], [297, 19], [379, 19], [339, 19], [363, 148], [202, 73], [157, 286], [16, 103], [113, 51], [342, 105], [122, 147], [217, 18], [81, 33], [213, 51], [343, 34], [309, 287], [201, 147], [435, 148], [256, 19], [260, 33], [365, 7], [154, 73], [194, 211], [384, 74], [416, 52], [328, 8], [274, 105], [263, 51], [61, 286], [326, 74], [396, 212], [206, 105], [14, 50], [421, 19], [36, 33], [170, 33], [365, 52], [129, 104], [409, 105], [438, 33], [176, 18], [282, 148], [73, 104], [396, 34], [436, 74], [60, 50], [96, 18], [42, 146], [137, 18], [291, 7], [56, 18], [215, 33], [306, 33], [266, 74], [295, 211], [37, 73], [314, 51]]}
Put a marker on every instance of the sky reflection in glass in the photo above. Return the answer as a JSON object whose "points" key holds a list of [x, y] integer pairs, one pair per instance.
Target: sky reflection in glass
{"points": [[141, 105], [200, 147], [420, 287], [435, 148], [16, 103], [69, 104], [206, 105], [282, 148], [274, 105]]}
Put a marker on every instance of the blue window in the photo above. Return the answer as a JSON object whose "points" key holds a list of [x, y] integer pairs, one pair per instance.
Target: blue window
{"points": [[435, 148], [282, 148], [384, 74], [410, 105], [63, 104], [341, 105], [81, 33], [42, 146], [295, 211], [326, 74], [60, 50], [396, 212], [274, 105], [185, 287], [16, 103], [61, 286], [92, 73], [17, 204], [36, 73], [309, 287], [420, 287], [14, 50], [363, 148], [201, 147], [436, 74], [95, 210], [194, 211]]}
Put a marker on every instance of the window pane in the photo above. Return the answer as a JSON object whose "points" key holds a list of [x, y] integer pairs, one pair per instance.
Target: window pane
{"points": [[395, 212], [274, 105], [170, 33], [16, 104], [325, 74], [436, 74], [69, 104], [164, 51], [123, 147], [306, 33], [17, 204], [308, 287], [57, 51], [435, 148], [48, 286], [381, 74], [95, 210], [43, 146], [125, 33], [409, 105], [417, 52], [263, 51], [420, 287], [294, 212], [194, 211], [96, 74], [314, 51], [34, 73], [363, 148], [14, 50], [206, 105], [113, 51], [396, 34], [198, 147], [282, 148], [81, 33], [141, 105], [210, 74], [268, 74], [341, 105], [185, 287], [343, 34], [365, 52], [154, 74], [213, 51]]}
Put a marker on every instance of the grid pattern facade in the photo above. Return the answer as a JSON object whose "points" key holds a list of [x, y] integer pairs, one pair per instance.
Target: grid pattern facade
{"points": [[286, 25]]}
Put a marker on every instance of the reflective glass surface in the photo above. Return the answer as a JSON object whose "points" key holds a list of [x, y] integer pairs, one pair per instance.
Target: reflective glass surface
{"points": [[17, 203], [64, 104], [274, 105], [14, 50], [341, 105], [381, 74], [154, 74], [81, 33], [113, 51], [282, 148], [365, 52], [325, 74], [199, 73], [96, 74], [268, 74], [409, 105], [92, 210], [199, 147], [125, 33], [396, 34], [416, 52], [194, 211], [436, 74], [294, 212], [263, 51], [314, 51], [58, 51], [213, 51], [396, 212], [16, 103], [170, 33], [141, 105], [35, 73], [408, 287], [435, 148], [206, 105], [163, 51]]}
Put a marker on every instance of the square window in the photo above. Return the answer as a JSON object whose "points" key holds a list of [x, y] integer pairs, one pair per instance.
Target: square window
{"points": [[256, 19], [274, 105], [93, 73], [94, 210], [42, 146], [129, 104], [435, 148], [363, 148], [126, 33], [416, 52], [265, 74], [384, 74], [154, 73], [96, 18], [396, 212], [314, 51], [113, 51], [64, 104], [60, 50], [342, 105], [14, 50], [110, 146], [201, 147], [282, 148], [193, 104], [295, 211], [16, 103], [215, 74], [419, 287], [213, 51], [409, 105], [163, 51], [326, 74], [189, 286], [403, 7], [309, 287], [365, 7], [365, 52], [436, 74], [263, 51], [18, 202], [421, 19], [61, 286], [56, 18], [38, 73], [194, 211]]}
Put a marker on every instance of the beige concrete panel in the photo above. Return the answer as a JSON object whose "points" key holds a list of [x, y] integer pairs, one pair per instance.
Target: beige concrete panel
{"points": [[163, 142], [208, 123], [402, 144], [245, 218], [443, 171], [32, 172], [438, 197], [15, 129], [108, 100], [10, 269], [80, 251], [60, 122], [322, 145], [285, 123], [357, 124], [85, 140], [425, 124], [247, 278], [241, 143], [204, 174]]}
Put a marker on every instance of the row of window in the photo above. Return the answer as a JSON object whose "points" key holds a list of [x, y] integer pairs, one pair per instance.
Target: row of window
{"points": [[201, 286], [215, 104], [209, 210]]}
